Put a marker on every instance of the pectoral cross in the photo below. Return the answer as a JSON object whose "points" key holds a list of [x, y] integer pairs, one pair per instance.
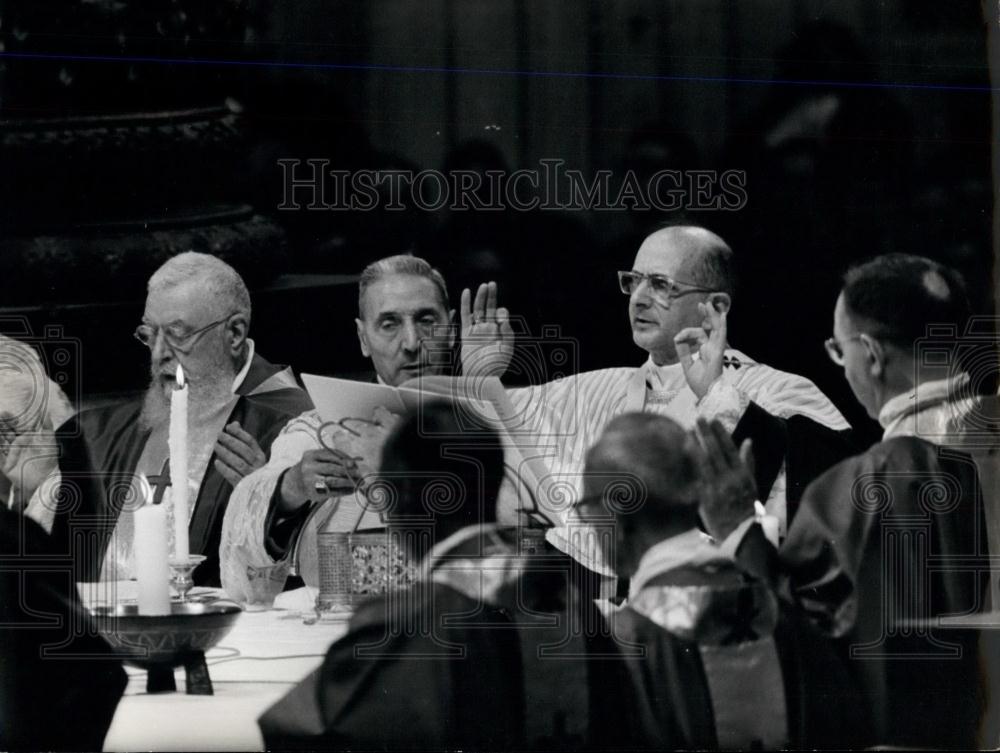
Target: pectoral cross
{"points": [[160, 482]]}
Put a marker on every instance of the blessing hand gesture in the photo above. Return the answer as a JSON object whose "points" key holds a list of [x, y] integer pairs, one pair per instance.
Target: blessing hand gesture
{"points": [[487, 337], [729, 489], [709, 341]]}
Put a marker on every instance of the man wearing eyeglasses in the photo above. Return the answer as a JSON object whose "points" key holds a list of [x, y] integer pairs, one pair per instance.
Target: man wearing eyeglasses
{"points": [[196, 319], [886, 542], [724, 663], [680, 293]]}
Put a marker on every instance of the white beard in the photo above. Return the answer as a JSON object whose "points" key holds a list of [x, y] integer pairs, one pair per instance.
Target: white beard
{"points": [[204, 398]]}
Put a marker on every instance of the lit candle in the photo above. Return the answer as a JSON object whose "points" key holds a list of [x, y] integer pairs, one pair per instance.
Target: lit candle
{"points": [[177, 441], [150, 548]]}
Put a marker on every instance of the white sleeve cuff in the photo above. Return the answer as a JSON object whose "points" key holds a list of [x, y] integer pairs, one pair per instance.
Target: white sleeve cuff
{"points": [[723, 402]]}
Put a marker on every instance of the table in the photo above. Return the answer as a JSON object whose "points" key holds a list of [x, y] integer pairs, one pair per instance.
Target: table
{"points": [[256, 664]]}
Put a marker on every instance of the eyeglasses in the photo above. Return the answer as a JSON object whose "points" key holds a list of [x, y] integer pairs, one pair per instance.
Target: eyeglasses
{"points": [[664, 290], [835, 347], [590, 508], [175, 335]]}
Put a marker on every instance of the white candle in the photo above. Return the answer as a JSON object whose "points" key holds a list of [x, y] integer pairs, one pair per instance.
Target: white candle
{"points": [[177, 441], [150, 548]]}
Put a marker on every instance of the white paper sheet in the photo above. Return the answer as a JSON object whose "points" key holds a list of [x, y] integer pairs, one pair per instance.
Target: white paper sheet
{"points": [[527, 487]]}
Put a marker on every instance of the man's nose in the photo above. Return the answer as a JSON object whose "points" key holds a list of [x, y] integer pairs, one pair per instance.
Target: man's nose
{"points": [[161, 351], [640, 295], [411, 337]]}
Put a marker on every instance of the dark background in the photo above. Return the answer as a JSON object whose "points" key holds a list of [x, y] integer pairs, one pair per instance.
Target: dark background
{"points": [[133, 130]]}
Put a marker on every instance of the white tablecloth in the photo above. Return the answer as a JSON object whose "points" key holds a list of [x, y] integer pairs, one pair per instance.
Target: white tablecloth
{"points": [[258, 662]]}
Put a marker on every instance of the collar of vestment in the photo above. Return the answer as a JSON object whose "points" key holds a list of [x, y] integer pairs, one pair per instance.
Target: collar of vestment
{"points": [[671, 374], [689, 588], [652, 384], [693, 547], [933, 408], [261, 376], [481, 562]]}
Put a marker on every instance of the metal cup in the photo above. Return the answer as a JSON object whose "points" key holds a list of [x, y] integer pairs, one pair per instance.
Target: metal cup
{"points": [[335, 571]]}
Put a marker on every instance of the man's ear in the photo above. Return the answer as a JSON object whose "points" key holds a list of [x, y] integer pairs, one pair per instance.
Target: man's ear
{"points": [[365, 351], [876, 355], [236, 330], [721, 302]]}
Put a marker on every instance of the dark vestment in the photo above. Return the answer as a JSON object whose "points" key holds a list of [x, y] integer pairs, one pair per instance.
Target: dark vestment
{"points": [[881, 545], [59, 683], [805, 447], [489, 651], [99, 451], [726, 664]]}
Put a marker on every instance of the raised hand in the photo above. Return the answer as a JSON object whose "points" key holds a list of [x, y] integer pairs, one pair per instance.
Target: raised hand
{"points": [[237, 453], [709, 342], [487, 337], [728, 487]]}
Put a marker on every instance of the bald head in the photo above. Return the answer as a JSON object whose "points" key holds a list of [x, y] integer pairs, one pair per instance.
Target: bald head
{"points": [[644, 466], [683, 269], [697, 255]]}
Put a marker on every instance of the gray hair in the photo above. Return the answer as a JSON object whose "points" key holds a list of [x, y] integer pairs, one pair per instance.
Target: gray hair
{"points": [[715, 267], [646, 461], [222, 282], [401, 264], [29, 400]]}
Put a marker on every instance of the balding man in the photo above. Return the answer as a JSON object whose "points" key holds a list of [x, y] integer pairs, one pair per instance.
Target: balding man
{"points": [[406, 327], [722, 664], [197, 316], [680, 293], [886, 542]]}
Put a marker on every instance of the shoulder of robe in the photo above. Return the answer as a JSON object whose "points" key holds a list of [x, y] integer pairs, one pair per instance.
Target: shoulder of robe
{"points": [[286, 403], [106, 418]]}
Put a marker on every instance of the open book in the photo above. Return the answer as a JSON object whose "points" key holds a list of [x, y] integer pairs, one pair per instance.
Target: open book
{"points": [[528, 485]]}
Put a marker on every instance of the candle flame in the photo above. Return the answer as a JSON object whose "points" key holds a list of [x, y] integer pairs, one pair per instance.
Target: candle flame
{"points": [[145, 490], [180, 377]]}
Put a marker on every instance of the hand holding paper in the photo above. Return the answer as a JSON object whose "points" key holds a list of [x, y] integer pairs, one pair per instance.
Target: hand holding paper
{"points": [[320, 474]]}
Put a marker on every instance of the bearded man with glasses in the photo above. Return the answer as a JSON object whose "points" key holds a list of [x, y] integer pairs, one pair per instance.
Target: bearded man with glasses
{"points": [[197, 317]]}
